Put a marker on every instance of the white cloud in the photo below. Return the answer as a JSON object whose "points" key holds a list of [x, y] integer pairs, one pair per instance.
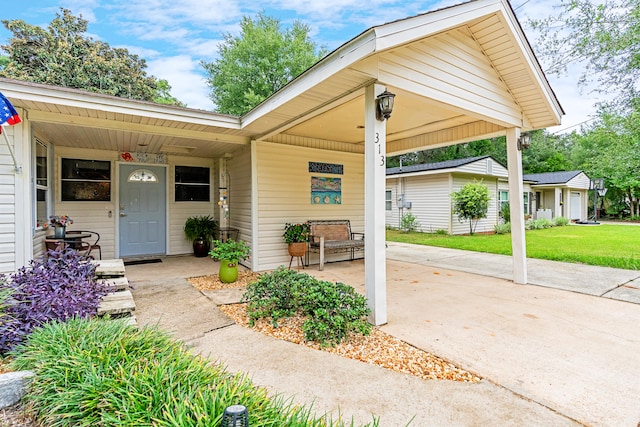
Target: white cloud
{"points": [[186, 80]]}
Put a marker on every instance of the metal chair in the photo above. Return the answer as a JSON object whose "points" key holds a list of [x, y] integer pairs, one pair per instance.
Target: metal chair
{"points": [[93, 243], [83, 248]]}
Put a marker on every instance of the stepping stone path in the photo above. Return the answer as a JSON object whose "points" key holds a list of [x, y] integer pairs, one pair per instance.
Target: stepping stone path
{"points": [[118, 304]]}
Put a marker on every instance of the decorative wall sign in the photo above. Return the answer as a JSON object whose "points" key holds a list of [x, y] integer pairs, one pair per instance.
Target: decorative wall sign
{"points": [[158, 159], [326, 191], [317, 167]]}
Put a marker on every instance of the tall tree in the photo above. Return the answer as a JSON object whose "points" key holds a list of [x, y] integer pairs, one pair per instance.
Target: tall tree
{"points": [[63, 55], [254, 65], [604, 36], [610, 148], [163, 95]]}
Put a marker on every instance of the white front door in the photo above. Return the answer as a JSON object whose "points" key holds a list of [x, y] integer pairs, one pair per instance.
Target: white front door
{"points": [[576, 206], [142, 210]]}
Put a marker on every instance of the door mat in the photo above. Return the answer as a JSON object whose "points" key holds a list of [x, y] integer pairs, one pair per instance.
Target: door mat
{"points": [[143, 261]]}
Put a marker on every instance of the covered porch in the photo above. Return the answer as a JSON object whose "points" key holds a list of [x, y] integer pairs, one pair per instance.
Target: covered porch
{"points": [[459, 74]]}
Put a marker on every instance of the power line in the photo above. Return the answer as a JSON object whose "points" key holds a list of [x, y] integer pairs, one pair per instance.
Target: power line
{"points": [[516, 8]]}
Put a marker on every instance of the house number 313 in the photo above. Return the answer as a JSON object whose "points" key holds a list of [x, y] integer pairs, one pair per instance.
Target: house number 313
{"points": [[379, 149]]}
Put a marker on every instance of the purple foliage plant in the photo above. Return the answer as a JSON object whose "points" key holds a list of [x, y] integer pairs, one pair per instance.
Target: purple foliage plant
{"points": [[57, 287]]}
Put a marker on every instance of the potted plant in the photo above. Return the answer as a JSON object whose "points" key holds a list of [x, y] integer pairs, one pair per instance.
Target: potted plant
{"points": [[296, 236], [200, 230], [60, 222], [229, 253]]}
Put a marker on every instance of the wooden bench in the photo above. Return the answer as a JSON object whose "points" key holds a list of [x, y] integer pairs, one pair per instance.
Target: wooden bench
{"points": [[333, 236]]}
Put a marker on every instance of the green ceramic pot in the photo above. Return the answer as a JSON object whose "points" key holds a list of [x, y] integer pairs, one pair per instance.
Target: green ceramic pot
{"points": [[228, 270]]}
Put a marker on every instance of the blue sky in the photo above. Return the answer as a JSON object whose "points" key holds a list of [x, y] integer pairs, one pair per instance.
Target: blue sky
{"points": [[175, 35]]}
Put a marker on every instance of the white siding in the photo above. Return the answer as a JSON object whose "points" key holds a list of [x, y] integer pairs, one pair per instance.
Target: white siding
{"points": [[284, 195], [580, 181], [239, 169]]}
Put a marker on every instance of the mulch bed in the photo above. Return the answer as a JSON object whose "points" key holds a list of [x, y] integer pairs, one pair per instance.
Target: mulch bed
{"points": [[378, 348]]}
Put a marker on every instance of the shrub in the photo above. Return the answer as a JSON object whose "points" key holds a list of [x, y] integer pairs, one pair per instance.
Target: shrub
{"points": [[505, 212], [442, 232], [471, 203], [332, 310], [539, 224], [54, 288], [101, 373], [409, 223], [502, 228], [560, 221]]}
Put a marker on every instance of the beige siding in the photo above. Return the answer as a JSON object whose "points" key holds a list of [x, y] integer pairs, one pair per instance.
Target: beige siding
{"points": [[451, 69], [392, 217], [180, 211], [430, 201], [92, 216], [239, 169], [484, 167], [284, 195]]}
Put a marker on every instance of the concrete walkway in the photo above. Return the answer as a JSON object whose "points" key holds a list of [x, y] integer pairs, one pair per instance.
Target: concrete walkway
{"points": [[548, 356]]}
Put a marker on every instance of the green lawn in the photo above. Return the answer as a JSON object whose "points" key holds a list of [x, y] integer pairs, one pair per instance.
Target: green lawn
{"points": [[606, 245]]}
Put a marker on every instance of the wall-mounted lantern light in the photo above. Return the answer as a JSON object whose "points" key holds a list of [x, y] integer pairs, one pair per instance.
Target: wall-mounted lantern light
{"points": [[524, 141], [384, 105]]}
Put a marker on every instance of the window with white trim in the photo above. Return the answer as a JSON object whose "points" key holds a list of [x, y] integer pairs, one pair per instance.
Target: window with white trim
{"points": [[42, 190], [525, 199], [387, 200]]}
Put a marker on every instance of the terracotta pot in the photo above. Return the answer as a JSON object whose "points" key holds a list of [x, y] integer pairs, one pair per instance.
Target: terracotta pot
{"points": [[297, 248]]}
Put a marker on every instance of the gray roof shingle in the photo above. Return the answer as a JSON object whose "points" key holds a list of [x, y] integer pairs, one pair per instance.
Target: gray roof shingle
{"points": [[561, 177], [447, 164]]}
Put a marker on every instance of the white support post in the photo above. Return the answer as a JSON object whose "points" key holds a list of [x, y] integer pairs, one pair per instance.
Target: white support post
{"points": [[516, 204], [375, 156]]}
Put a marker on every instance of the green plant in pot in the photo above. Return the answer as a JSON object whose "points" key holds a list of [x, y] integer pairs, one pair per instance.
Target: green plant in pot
{"points": [[200, 230], [229, 253]]}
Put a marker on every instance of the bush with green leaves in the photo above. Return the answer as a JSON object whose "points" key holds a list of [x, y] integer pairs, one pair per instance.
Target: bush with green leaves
{"points": [[560, 221], [539, 224], [332, 310], [505, 212], [502, 228], [409, 223], [471, 203], [105, 373]]}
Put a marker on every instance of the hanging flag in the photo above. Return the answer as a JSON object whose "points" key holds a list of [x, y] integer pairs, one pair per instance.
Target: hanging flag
{"points": [[8, 114]]}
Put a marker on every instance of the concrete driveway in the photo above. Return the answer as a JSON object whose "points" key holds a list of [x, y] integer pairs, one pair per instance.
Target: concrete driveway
{"points": [[548, 356]]}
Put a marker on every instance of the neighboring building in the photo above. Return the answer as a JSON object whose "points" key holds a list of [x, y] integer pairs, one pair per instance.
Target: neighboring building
{"points": [[425, 191], [563, 193], [134, 171]]}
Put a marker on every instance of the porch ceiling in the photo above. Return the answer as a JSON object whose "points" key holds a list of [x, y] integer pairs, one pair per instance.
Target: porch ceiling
{"points": [[73, 118]]}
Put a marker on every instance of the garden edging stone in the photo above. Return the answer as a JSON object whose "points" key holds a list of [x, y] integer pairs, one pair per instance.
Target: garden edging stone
{"points": [[13, 385]]}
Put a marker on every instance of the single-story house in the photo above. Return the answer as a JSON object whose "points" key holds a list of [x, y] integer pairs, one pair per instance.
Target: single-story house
{"points": [[425, 190], [134, 171], [564, 193]]}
